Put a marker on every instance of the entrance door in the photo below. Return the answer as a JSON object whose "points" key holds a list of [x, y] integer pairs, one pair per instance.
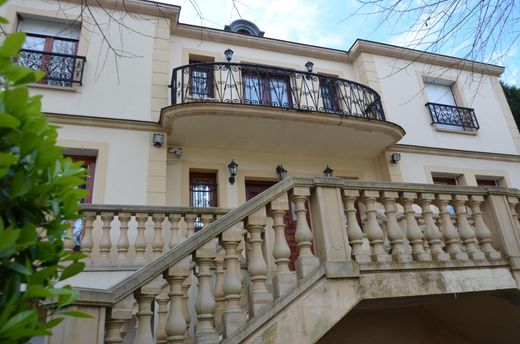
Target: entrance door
{"points": [[254, 188]]}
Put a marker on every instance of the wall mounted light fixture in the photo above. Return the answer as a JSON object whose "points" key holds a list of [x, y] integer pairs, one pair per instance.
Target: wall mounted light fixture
{"points": [[233, 169], [309, 65], [282, 172], [327, 172], [229, 54], [158, 139], [395, 158]]}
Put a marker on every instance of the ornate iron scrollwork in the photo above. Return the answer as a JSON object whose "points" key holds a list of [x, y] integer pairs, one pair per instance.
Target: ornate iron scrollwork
{"points": [[260, 85], [61, 69], [455, 116]]}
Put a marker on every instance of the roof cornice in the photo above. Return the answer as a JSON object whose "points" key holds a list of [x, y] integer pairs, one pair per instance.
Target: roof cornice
{"points": [[276, 45], [364, 46], [151, 8]]}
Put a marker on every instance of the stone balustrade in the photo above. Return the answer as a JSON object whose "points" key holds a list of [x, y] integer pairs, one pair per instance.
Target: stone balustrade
{"points": [[213, 283], [134, 235]]}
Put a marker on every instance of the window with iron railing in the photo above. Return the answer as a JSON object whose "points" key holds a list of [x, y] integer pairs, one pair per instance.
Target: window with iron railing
{"points": [[444, 111], [201, 79], [329, 95], [52, 47], [264, 88]]}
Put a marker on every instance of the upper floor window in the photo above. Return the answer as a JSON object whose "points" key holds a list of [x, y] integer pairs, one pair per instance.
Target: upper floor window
{"points": [[329, 95], [266, 88], [444, 110], [51, 46], [201, 79]]}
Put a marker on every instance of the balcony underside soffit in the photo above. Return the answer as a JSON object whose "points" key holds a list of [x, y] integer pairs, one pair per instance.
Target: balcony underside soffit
{"points": [[273, 130]]}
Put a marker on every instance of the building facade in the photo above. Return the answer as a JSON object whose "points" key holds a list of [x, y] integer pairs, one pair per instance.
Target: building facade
{"points": [[183, 127]]}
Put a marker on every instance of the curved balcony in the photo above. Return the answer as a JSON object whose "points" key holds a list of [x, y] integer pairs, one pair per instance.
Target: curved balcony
{"points": [[241, 83], [276, 110]]}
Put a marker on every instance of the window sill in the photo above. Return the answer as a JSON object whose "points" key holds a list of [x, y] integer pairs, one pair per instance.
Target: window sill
{"points": [[455, 131], [74, 88]]}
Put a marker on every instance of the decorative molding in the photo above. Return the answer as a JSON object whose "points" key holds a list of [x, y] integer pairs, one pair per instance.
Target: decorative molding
{"points": [[364, 46], [402, 148], [103, 122], [152, 8]]}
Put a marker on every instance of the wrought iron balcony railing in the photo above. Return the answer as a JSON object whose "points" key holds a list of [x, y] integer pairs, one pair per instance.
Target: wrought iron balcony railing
{"points": [[455, 116], [241, 83], [61, 69]]}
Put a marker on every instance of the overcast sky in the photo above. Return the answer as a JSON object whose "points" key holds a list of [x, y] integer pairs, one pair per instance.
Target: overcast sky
{"points": [[327, 23]]}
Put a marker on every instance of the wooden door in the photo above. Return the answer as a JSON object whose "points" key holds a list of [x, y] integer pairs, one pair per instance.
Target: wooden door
{"points": [[254, 188]]}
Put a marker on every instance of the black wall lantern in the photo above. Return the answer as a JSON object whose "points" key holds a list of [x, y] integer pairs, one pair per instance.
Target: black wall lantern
{"points": [[229, 54], [309, 66], [233, 169], [327, 172], [282, 172], [395, 158]]}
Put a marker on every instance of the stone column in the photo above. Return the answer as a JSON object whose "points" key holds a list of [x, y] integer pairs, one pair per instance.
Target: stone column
{"points": [[451, 237], [466, 233], [413, 232], [394, 231], [123, 243], [431, 231]]}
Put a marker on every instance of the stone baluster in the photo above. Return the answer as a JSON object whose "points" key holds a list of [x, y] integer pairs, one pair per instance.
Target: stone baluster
{"points": [[87, 243], [234, 316], [257, 267], [307, 262], [105, 244], [68, 242], [354, 232], [158, 242], [206, 219], [143, 333], [431, 231], [140, 241], [219, 290], [205, 304], [190, 223], [375, 234], [122, 243], [513, 204], [413, 231], [393, 230], [466, 233], [176, 321], [174, 238], [160, 334], [283, 280], [113, 331], [186, 285], [482, 231], [451, 237]]}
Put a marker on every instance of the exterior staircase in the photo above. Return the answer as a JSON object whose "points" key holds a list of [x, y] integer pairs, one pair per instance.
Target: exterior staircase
{"points": [[231, 282]]}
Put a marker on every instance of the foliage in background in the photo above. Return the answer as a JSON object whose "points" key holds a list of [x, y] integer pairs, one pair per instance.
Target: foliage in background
{"points": [[38, 199], [513, 98]]}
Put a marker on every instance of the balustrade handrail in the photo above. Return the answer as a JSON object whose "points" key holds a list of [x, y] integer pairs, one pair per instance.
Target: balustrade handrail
{"points": [[228, 82], [150, 271], [53, 54], [134, 209]]}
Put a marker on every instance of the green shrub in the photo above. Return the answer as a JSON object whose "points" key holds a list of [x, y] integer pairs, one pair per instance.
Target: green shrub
{"points": [[38, 199]]}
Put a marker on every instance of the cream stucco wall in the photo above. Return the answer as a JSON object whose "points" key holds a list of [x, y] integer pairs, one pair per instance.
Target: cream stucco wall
{"points": [[418, 168], [124, 158], [182, 47], [402, 90], [112, 87], [253, 166]]}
